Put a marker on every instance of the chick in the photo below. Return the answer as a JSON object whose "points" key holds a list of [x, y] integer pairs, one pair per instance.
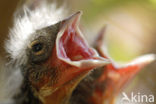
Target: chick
{"points": [[48, 56], [104, 84]]}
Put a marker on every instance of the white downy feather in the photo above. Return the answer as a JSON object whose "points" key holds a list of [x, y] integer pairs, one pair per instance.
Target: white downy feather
{"points": [[24, 27]]}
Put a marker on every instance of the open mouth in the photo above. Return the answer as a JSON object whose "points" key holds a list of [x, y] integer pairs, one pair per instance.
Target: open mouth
{"points": [[72, 56], [72, 47]]}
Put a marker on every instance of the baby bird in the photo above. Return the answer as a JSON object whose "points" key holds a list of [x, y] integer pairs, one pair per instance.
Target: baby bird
{"points": [[104, 84], [48, 57]]}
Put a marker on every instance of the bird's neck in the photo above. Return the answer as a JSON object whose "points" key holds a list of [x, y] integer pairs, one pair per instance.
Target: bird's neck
{"points": [[62, 94], [26, 95]]}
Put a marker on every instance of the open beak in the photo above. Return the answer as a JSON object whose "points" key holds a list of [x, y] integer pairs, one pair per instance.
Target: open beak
{"points": [[115, 76], [72, 54], [70, 60]]}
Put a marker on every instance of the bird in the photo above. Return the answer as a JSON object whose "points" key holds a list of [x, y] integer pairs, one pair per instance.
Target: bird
{"points": [[105, 83], [47, 56]]}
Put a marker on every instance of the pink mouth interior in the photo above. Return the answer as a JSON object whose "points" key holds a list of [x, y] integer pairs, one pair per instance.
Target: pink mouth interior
{"points": [[73, 47]]}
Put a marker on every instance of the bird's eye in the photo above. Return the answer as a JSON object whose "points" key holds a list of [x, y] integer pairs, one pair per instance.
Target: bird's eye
{"points": [[37, 47]]}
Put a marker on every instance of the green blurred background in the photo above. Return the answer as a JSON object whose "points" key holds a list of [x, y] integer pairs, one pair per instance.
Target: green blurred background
{"points": [[131, 30]]}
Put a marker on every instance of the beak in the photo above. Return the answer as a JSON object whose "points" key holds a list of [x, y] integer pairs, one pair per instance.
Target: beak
{"points": [[72, 47], [115, 74], [72, 55], [70, 60]]}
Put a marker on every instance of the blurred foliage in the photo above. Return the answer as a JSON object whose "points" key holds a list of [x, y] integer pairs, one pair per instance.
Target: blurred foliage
{"points": [[153, 2], [120, 52], [94, 7], [117, 49]]}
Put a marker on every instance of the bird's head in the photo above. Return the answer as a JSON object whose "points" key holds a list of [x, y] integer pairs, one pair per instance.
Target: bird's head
{"points": [[52, 59]]}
